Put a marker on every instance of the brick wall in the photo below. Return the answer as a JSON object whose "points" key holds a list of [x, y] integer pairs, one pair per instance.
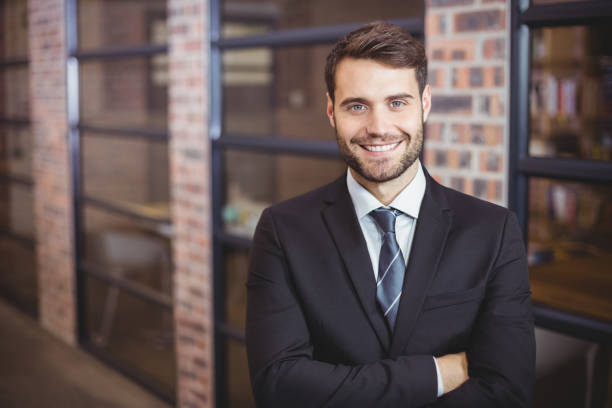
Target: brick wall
{"points": [[191, 204], [467, 43], [52, 193]]}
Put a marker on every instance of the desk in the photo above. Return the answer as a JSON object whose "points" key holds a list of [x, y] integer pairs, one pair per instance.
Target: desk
{"points": [[580, 285]]}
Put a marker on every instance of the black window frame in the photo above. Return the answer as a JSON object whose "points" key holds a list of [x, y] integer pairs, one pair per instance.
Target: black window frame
{"points": [[524, 17], [83, 268], [220, 142]]}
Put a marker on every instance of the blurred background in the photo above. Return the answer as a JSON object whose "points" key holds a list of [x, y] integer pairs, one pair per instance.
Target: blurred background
{"points": [[141, 139]]}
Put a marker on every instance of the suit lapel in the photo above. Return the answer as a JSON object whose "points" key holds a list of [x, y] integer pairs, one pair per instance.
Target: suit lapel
{"points": [[428, 243], [344, 227]]}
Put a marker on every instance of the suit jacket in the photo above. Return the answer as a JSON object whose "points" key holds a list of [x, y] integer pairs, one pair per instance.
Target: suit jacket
{"points": [[316, 338]]}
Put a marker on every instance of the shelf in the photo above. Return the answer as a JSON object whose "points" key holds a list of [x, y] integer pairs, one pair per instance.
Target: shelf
{"points": [[566, 13], [568, 169]]}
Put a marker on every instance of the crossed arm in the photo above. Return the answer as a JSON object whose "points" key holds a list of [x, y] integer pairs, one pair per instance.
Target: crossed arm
{"points": [[285, 373]]}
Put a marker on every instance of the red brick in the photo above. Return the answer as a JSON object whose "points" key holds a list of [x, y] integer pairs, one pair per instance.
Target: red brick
{"points": [[452, 104], [490, 161], [477, 77], [494, 48], [491, 105], [460, 133], [486, 20], [52, 189], [451, 49], [434, 130], [436, 77], [190, 166], [435, 24], [494, 190]]}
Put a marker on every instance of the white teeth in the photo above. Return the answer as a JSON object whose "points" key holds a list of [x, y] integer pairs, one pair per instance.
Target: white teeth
{"points": [[382, 148]]}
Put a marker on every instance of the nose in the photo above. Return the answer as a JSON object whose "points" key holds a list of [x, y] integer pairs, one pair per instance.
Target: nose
{"points": [[379, 123]]}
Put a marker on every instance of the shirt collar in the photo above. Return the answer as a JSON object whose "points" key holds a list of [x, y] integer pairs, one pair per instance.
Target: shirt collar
{"points": [[407, 201]]}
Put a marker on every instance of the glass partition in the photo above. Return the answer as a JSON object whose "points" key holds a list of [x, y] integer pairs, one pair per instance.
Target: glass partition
{"points": [[279, 15], [276, 92], [571, 92], [258, 180], [570, 246], [124, 23]]}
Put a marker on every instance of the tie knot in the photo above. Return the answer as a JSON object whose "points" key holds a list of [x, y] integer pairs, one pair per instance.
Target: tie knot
{"points": [[385, 218]]}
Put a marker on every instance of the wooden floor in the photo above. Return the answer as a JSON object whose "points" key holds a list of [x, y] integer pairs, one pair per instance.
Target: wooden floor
{"points": [[38, 370]]}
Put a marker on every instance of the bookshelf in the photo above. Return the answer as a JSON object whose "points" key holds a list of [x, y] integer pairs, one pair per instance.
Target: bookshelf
{"points": [[561, 159]]}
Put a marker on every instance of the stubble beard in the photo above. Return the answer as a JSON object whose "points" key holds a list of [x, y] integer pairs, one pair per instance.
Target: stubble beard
{"points": [[378, 172]]}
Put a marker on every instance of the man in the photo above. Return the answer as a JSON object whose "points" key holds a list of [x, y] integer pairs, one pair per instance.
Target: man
{"points": [[384, 288]]}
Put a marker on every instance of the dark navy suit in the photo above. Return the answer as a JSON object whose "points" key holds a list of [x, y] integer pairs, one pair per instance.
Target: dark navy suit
{"points": [[316, 338]]}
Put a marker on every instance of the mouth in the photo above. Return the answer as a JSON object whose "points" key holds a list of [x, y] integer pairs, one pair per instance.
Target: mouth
{"points": [[381, 147]]}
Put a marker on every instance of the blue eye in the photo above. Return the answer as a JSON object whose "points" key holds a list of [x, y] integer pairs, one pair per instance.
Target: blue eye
{"points": [[397, 104], [357, 108]]}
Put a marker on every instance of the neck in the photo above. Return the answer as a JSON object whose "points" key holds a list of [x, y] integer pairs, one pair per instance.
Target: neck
{"points": [[386, 191]]}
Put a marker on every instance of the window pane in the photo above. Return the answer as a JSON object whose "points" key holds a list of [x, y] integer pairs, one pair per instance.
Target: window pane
{"points": [[128, 249], [238, 383], [570, 246], [571, 92], [276, 92], [124, 23], [14, 25], [137, 333], [15, 86], [127, 170], [18, 279], [15, 150], [236, 266], [257, 180], [125, 92], [280, 14], [16, 209]]}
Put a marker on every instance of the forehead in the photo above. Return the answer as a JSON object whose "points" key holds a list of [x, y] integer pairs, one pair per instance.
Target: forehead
{"points": [[366, 77]]}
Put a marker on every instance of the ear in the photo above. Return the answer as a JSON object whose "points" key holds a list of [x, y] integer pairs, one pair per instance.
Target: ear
{"points": [[426, 102], [330, 110]]}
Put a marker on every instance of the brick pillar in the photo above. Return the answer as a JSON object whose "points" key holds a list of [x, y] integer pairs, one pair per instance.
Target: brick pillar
{"points": [[191, 200], [467, 42], [51, 169]]}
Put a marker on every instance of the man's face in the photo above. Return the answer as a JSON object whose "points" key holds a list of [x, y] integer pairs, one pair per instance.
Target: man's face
{"points": [[378, 116]]}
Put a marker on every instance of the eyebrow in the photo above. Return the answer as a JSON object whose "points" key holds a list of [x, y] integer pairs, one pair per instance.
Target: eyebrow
{"points": [[349, 101], [399, 96]]}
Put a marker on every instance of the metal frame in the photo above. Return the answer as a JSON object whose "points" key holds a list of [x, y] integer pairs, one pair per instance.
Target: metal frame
{"points": [[308, 36], [269, 144], [26, 241], [11, 62], [150, 134], [7, 178], [120, 210], [264, 143], [521, 166], [15, 121], [76, 128]]}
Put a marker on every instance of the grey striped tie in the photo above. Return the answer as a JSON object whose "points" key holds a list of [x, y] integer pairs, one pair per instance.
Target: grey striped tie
{"points": [[391, 266]]}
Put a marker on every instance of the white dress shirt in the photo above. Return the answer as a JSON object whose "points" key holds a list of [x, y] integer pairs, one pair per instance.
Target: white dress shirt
{"points": [[408, 201]]}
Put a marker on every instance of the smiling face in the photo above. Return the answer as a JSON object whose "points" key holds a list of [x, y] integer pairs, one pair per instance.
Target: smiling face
{"points": [[378, 115]]}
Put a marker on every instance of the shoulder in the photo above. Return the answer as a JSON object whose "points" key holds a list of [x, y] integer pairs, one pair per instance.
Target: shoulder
{"points": [[470, 209]]}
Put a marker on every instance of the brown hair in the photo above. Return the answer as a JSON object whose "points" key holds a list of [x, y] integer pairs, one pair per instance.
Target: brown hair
{"points": [[382, 42]]}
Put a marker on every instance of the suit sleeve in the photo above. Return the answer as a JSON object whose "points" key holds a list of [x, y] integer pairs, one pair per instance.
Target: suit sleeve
{"points": [[501, 353], [280, 355]]}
